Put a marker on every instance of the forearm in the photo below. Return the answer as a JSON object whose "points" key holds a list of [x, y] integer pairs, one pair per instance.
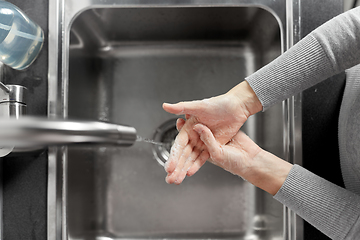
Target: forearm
{"points": [[267, 172], [333, 210], [328, 50]]}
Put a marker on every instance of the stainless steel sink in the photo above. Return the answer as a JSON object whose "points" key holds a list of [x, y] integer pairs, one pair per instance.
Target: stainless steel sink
{"points": [[119, 62], [142, 58]]}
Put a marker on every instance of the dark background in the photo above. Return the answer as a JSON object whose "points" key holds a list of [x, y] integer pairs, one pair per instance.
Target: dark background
{"points": [[320, 114], [321, 106]]}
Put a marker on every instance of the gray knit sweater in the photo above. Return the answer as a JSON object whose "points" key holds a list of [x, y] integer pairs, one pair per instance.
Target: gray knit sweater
{"points": [[328, 50]]}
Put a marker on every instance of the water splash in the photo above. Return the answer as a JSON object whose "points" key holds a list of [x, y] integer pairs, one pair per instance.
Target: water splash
{"points": [[142, 139]]}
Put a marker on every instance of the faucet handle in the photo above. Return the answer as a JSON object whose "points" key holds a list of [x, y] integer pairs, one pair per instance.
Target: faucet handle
{"points": [[5, 88]]}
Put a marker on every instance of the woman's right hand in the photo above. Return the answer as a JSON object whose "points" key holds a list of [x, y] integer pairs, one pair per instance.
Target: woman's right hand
{"points": [[242, 157], [223, 115]]}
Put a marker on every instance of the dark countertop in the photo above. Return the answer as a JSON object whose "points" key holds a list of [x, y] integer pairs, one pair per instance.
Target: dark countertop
{"points": [[25, 177]]}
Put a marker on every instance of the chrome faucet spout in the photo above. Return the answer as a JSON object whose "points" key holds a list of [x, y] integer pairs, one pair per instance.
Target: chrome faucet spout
{"points": [[35, 132], [4, 87]]}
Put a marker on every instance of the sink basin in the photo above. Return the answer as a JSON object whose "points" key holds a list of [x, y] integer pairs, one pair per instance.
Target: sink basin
{"points": [[123, 64], [119, 61]]}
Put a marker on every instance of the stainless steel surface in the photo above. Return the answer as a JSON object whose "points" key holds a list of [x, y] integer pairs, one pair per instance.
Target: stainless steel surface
{"points": [[12, 104], [17, 93], [16, 109], [15, 104], [123, 63], [29, 134], [292, 112], [126, 58], [4, 87], [165, 134], [33, 132], [97, 218]]}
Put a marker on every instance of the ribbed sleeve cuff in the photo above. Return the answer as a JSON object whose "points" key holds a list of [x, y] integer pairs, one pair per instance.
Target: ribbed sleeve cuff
{"points": [[328, 207], [301, 67]]}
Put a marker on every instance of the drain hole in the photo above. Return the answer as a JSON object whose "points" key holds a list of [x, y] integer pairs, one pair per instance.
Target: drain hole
{"points": [[168, 138], [166, 134]]}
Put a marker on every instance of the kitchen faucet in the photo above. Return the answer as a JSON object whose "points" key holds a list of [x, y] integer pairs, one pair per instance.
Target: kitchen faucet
{"points": [[19, 132], [30, 132]]}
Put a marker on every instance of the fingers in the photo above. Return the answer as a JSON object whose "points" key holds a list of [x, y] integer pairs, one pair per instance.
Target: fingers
{"points": [[195, 161], [187, 154], [183, 107], [173, 176], [185, 160], [184, 164], [179, 124], [208, 138], [193, 156], [199, 162], [176, 152]]}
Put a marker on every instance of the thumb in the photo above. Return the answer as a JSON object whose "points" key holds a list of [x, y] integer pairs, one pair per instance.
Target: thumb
{"points": [[181, 108], [213, 147]]}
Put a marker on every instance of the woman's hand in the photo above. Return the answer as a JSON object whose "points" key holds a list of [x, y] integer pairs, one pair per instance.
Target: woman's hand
{"points": [[242, 157], [223, 115], [236, 156]]}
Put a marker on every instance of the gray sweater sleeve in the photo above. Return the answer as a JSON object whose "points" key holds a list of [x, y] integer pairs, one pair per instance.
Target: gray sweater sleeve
{"points": [[328, 50], [331, 209]]}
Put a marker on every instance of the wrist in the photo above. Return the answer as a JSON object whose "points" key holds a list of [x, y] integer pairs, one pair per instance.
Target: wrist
{"points": [[267, 172], [246, 98]]}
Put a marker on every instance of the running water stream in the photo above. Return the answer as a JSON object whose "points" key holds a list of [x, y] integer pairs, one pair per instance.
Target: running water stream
{"points": [[142, 139]]}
